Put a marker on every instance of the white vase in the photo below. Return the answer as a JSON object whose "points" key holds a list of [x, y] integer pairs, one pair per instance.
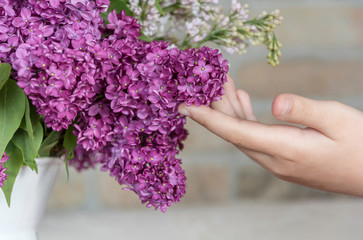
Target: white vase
{"points": [[28, 201]]}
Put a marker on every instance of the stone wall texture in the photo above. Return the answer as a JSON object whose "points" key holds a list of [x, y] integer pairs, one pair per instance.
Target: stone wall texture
{"points": [[322, 59]]}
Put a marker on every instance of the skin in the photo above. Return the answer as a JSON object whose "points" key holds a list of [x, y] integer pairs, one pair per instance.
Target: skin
{"points": [[326, 153]]}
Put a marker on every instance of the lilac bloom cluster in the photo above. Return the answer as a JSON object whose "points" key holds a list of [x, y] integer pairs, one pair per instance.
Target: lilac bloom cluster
{"points": [[49, 44], [133, 128], [121, 93], [3, 175]]}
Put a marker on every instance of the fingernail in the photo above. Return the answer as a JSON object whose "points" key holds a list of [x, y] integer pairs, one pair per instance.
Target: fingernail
{"points": [[183, 110], [286, 107]]}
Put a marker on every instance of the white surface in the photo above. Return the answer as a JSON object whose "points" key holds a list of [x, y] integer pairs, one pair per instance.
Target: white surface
{"points": [[28, 201], [320, 219]]}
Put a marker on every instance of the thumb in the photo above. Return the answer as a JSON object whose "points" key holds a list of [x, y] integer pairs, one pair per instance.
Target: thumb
{"points": [[320, 115]]}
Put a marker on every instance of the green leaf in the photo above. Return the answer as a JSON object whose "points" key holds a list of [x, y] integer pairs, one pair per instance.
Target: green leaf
{"points": [[70, 142], [159, 8], [29, 123], [143, 37], [104, 16], [38, 135], [117, 5], [171, 8], [120, 5], [23, 124], [12, 165], [4, 73], [48, 143], [22, 141], [12, 108]]}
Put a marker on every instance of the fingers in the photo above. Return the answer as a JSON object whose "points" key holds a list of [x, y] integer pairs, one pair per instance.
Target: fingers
{"points": [[323, 116], [235, 103], [245, 134], [231, 94], [214, 121], [245, 102], [224, 106], [229, 103]]}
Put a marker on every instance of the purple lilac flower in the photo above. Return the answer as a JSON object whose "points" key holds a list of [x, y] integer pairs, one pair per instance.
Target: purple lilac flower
{"points": [[3, 175], [145, 88], [24, 19], [49, 45], [122, 93]]}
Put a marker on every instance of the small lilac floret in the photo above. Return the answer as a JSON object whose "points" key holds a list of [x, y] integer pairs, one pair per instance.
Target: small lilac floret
{"points": [[3, 175]]}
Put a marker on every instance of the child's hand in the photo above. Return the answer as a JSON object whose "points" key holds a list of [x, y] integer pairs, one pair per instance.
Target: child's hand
{"points": [[327, 154]]}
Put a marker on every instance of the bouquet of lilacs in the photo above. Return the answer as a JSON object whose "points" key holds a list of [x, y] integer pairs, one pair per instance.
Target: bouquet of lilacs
{"points": [[92, 80]]}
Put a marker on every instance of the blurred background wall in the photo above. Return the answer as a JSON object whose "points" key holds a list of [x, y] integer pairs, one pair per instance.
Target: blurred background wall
{"points": [[322, 59]]}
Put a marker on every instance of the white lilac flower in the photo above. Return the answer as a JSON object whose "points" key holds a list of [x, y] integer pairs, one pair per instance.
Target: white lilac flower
{"points": [[200, 21], [188, 2], [196, 8], [137, 10], [134, 2]]}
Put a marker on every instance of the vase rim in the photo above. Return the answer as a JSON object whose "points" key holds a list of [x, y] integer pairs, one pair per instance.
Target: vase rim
{"points": [[49, 160]]}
